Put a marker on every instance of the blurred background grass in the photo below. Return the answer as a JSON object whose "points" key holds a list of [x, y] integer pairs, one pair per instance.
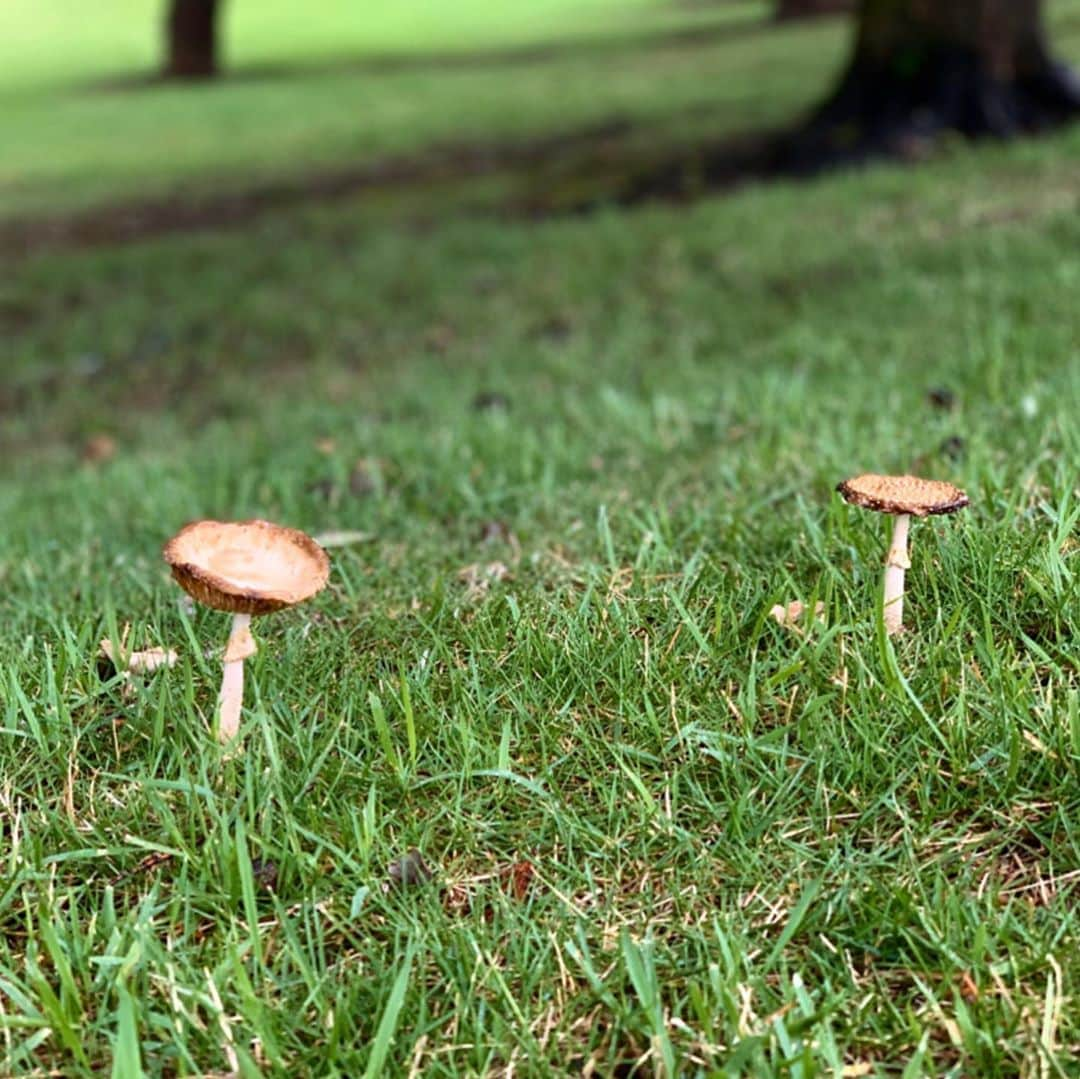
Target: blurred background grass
{"points": [[83, 123]]}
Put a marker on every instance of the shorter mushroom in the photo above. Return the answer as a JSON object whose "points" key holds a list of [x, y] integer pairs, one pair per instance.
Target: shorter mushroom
{"points": [[903, 497], [247, 568]]}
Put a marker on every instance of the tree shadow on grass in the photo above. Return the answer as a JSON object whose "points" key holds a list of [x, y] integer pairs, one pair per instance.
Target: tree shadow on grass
{"points": [[614, 162], [439, 62], [618, 162]]}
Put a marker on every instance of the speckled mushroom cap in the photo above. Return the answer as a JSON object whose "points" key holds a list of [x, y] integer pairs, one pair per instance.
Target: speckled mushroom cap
{"points": [[246, 567], [903, 494]]}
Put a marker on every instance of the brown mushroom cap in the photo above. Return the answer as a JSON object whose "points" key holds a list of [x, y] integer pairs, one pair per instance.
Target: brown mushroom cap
{"points": [[903, 494], [246, 567]]}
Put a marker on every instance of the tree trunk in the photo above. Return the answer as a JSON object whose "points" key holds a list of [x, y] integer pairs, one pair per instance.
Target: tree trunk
{"points": [[191, 33], [921, 67], [805, 9]]}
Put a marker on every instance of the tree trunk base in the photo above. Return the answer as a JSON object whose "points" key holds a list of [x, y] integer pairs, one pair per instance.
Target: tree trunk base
{"points": [[189, 71], [790, 10], [908, 87], [899, 111], [191, 37]]}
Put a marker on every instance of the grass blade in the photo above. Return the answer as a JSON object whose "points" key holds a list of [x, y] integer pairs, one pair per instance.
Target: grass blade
{"points": [[127, 1059], [384, 1036]]}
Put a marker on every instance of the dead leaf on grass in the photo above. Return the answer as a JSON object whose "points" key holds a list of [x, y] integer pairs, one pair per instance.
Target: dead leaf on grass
{"points": [[1037, 744], [478, 577], [490, 401], [364, 478], [941, 397], [409, 870], [142, 661], [342, 538], [98, 449], [440, 337], [518, 880], [969, 990], [500, 532], [264, 873], [147, 865], [793, 613], [457, 899]]}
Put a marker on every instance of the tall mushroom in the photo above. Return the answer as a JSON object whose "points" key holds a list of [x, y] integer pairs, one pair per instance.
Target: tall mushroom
{"points": [[247, 568], [903, 497]]}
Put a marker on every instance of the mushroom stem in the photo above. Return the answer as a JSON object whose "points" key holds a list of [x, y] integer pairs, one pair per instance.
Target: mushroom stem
{"points": [[895, 565], [231, 699]]}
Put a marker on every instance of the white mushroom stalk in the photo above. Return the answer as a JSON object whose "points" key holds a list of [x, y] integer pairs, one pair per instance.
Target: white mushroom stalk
{"points": [[895, 565], [901, 497], [231, 698], [246, 568]]}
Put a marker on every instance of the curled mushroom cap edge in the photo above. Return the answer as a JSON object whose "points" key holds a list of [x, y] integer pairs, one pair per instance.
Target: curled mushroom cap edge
{"points": [[896, 495], [902, 497], [290, 566], [245, 568]]}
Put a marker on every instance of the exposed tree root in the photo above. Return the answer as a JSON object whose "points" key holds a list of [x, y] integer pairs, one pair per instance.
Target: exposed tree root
{"points": [[888, 111]]}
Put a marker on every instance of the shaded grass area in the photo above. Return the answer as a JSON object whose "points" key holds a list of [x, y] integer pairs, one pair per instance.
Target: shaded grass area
{"points": [[687, 73], [664, 102], [588, 456]]}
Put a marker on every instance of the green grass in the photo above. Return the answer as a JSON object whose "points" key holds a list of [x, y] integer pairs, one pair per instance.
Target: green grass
{"points": [[335, 92], [350, 88], [753, 852]]}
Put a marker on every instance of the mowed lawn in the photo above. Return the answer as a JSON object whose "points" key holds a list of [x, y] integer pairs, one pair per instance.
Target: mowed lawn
{"points": [[572, 462], [346, 84]]}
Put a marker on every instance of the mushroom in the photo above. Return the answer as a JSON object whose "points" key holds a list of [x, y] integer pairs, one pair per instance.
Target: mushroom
{"points": [[903, 497], [247, 568]]}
